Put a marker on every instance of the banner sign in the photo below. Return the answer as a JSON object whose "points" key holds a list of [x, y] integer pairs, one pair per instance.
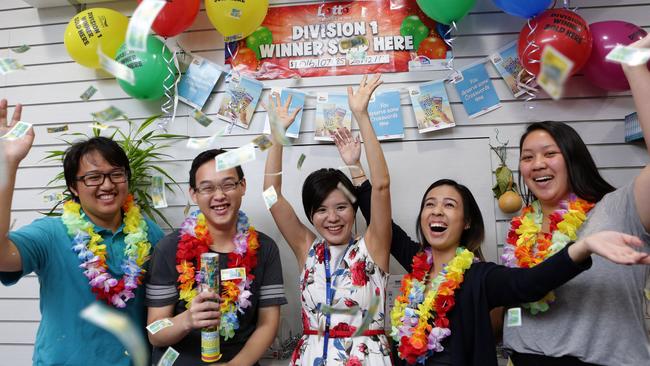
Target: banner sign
{"points": [[341, 38]]}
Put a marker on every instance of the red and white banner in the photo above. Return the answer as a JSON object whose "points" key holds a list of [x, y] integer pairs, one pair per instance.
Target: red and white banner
{"points": [[340, 38]]}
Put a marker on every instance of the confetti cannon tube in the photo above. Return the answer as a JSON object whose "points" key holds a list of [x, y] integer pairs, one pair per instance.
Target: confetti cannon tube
{"points": [[210, 346]]}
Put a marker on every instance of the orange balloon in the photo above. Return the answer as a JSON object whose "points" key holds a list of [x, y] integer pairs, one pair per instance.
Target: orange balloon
{"points": [[433, 48]]}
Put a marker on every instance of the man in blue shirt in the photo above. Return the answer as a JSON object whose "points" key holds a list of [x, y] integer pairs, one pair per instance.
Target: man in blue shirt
{"points": [[97, 173]]}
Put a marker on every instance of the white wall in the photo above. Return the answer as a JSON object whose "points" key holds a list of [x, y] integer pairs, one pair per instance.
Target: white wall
{"points": [[50, 88]]}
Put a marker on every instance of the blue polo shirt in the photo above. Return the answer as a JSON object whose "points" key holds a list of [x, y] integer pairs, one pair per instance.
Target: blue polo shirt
{"points": [[63, 338]]}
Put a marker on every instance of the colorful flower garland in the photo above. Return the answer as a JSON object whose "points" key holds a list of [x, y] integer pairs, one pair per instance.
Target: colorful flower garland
{"points": [[526, 245], [420, 321], [87, 245], [195, 240]]}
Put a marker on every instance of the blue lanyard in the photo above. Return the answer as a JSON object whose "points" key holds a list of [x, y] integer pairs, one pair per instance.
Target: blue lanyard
{"points": [[329, 292]]}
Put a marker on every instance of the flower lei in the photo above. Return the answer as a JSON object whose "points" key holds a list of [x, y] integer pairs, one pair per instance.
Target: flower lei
{"points": [[195, 240], [526, 245], [90, 250], [414, 311]]}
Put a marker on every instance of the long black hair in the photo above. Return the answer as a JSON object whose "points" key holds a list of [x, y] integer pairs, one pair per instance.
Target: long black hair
{"points": [[584, 179], [473, 236]]}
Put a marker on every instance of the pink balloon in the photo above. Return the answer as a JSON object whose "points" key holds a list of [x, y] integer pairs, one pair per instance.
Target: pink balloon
{"points": [[606, 35]]}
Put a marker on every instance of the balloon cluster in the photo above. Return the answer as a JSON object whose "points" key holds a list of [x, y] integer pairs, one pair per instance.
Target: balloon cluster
{"points": [[564, 30], [240, 21], [154, 72]]}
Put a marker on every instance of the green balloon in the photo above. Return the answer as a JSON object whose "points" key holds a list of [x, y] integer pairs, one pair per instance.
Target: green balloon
{"points": [[413, 26], [151, 71], [262, 35], [446, 11]]}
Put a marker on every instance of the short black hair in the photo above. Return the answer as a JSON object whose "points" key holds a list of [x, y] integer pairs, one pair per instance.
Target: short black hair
{"points": [[203, 158], [584, 179], [319, 185], [473, 236], [107, 148]]}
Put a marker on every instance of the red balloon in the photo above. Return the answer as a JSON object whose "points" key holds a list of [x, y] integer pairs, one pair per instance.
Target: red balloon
{"points": [[175, 17], [600, 72], [563, 29]]}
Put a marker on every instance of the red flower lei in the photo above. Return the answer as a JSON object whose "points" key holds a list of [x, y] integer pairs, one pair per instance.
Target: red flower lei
{"points": [[188, 256]]}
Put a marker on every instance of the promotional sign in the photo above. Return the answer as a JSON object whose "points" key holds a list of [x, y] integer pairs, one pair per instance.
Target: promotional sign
{"points": [[385, 114], [297, 101], [506, 61], [332, 113], [431, 106], [240, 100], [341, 38], [476, 90], [198, 81]]}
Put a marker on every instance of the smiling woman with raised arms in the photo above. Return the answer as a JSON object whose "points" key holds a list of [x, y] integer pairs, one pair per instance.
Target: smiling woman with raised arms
{"points": [[343, 277]]}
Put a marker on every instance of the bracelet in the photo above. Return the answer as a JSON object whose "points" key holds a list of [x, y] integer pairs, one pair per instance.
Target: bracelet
{"points": [[362, 175]]}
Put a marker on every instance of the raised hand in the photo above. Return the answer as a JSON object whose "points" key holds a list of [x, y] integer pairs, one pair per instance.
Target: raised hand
{"points": [[349, 147], [16, 150], [281, 110], [617, 247], [359, 100]]}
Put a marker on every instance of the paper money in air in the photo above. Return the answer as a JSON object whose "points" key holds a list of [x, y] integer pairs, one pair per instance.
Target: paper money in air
{"points": [[235, 157]]}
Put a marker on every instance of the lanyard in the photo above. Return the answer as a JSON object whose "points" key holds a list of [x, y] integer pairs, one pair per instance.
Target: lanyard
{"points": [[329, 291]]}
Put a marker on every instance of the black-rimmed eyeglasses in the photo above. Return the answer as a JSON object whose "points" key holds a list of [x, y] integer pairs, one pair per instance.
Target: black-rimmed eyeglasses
{"points": [[97, 179]]}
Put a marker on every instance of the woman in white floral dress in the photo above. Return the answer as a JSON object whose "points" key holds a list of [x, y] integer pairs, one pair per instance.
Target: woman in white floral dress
{"points": [[343, 278]]}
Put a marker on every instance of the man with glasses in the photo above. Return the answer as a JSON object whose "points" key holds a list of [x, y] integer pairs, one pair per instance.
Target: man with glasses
{"points": [[96, 173], [249, 262]]}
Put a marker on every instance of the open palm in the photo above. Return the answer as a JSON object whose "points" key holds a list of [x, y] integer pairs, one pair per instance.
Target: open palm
{"points": [[14, 150], [617, 247], [280, 110], [359, 99], [349, 146]]}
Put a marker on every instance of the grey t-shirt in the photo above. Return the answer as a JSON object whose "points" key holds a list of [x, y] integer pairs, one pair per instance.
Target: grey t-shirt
{"points": [[267, 290], [599, 315]]}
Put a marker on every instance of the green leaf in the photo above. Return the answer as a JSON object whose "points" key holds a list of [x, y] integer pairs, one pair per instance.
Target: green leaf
{"points": [[163, 172], [146, 123], [503, 176]]}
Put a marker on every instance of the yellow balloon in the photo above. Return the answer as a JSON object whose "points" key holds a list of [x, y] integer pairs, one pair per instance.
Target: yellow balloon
{"points": [[91, 28], [236, 19]]}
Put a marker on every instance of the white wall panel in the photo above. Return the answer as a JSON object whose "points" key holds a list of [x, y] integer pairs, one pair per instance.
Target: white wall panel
{"points": [[51, 85]]}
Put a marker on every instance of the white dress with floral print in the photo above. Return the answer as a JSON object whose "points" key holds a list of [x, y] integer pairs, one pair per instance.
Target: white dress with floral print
{"points": [[356, 281]]}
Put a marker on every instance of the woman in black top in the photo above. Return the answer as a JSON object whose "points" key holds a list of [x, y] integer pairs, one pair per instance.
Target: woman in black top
{"points": [[450, 219]]}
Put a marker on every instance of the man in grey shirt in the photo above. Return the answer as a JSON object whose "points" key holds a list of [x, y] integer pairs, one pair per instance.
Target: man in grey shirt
{"points": [[255, 319]]}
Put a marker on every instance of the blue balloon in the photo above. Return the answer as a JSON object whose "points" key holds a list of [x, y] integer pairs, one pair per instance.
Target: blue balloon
{"points": [[442, 30], [523, 8]]}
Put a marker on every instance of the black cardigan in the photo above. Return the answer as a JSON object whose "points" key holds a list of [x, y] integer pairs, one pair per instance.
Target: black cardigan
{"points": [[486, 286]]}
